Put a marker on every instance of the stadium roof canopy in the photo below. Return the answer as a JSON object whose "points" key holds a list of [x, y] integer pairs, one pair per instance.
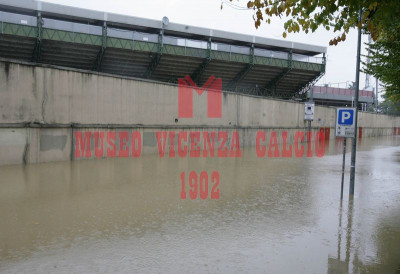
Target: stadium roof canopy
{"points": [[130, 46]]}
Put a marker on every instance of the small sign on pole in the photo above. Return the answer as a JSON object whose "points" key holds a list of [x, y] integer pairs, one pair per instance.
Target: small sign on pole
{"points": [[309, 111], [345, 122]]}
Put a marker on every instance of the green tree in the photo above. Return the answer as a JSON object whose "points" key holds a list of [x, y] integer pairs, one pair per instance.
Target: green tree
{"points": [[379, 18], [385, 65], [389, 107]]}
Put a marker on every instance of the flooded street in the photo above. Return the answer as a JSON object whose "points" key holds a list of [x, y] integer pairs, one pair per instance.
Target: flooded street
{"points": [[274, 215]]}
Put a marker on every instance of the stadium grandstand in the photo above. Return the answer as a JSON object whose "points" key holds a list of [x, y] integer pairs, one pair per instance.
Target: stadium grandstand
{"points": [[53, 34]]}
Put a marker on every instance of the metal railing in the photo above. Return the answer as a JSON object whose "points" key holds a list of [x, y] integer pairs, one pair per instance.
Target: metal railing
{"points": [[270, 53], [149, 37], [18, 19], [341, 91], [72, 27], [308, 59]]}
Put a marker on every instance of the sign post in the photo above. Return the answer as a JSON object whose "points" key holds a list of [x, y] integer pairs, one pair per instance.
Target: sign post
{"points": [[343, 164], [309, 114], [345, 127]]}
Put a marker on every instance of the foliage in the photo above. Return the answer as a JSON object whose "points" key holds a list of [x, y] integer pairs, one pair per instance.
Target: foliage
{"points": [[352, 85], [385, 65], [378, 17], [390, 108]]}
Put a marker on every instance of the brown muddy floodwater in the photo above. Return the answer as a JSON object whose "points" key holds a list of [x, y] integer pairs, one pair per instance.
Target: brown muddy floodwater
{"points": [[273, 215]]}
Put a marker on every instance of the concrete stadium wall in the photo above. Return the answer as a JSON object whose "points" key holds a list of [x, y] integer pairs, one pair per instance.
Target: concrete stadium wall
{"points": [[41, 106]]}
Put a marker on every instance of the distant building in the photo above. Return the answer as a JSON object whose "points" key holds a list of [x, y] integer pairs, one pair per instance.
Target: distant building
{"points": [[331, 96]]}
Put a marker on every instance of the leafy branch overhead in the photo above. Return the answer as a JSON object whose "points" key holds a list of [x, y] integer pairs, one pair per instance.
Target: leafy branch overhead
{"points": [[378, 17]]}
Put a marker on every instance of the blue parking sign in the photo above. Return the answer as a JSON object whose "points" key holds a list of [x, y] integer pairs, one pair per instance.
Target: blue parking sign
{"points": [[346, 117], [345, 122]]}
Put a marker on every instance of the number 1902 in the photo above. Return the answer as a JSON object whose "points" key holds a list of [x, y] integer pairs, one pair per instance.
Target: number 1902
{"points": [[198, 185]]}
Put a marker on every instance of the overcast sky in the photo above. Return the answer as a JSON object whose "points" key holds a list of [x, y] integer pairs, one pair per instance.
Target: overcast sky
{"points": [[341, 59]]}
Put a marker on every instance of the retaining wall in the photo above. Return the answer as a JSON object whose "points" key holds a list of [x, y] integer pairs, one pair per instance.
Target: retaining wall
{"points": [[42, 106]]}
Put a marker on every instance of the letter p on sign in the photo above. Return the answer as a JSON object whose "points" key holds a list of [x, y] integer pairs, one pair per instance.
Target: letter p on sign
{"points": [[346, 117]]}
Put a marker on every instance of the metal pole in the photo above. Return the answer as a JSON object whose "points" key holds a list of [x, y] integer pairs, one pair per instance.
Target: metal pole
{"points": [[376, 96], [354, 142], [343, 164], [340, 228], [310, 100], [350, 209]]}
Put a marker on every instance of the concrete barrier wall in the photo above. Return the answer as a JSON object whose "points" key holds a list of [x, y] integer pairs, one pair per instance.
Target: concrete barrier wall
{"points": [[41, 106]]}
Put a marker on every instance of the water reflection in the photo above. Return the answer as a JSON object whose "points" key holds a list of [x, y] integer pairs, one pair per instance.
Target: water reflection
{"points": [[274, 215]]}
